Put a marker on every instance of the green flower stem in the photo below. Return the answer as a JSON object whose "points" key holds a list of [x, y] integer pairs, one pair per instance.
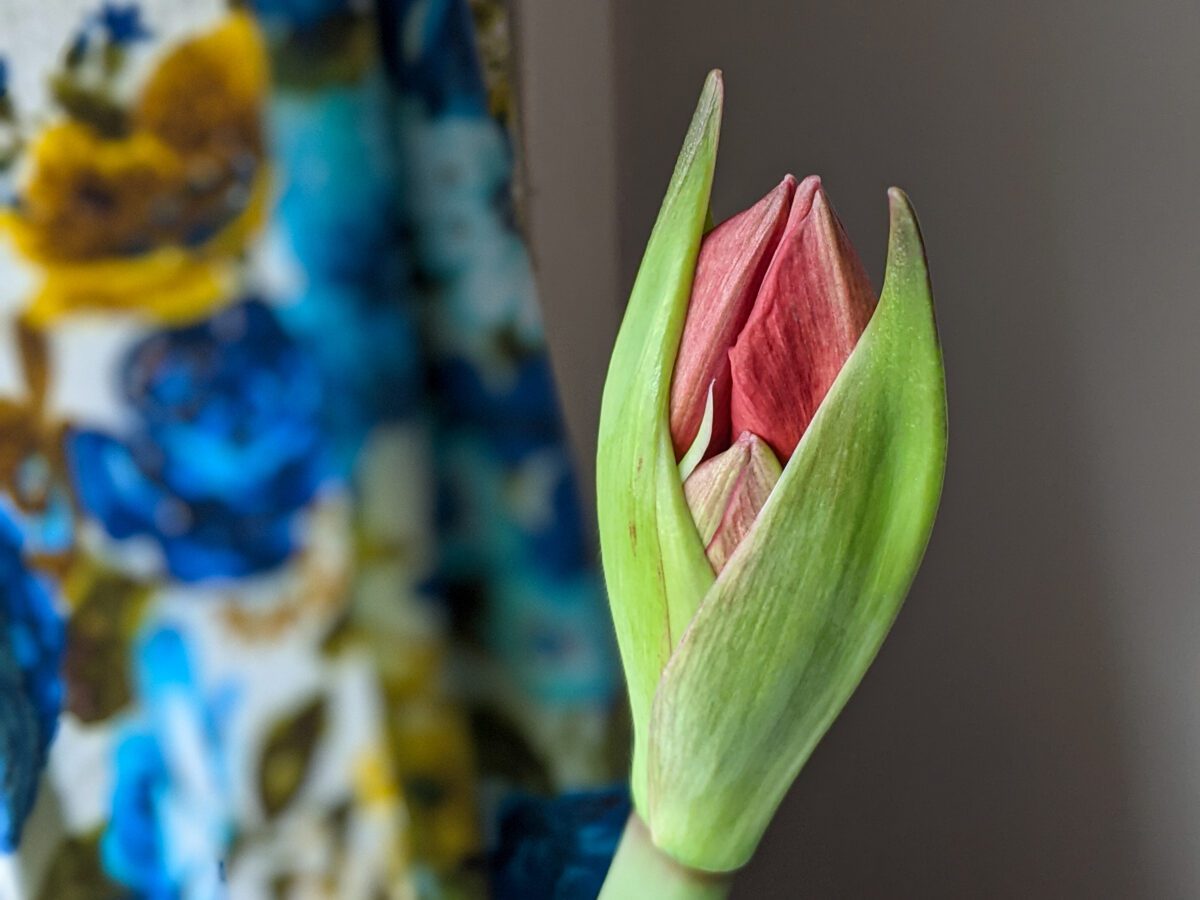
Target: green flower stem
{"points": [[640, 870]]}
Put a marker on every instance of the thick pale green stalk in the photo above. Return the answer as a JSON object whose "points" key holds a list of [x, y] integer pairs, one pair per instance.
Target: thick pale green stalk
{"points": [[641, 871], [654, 562]]}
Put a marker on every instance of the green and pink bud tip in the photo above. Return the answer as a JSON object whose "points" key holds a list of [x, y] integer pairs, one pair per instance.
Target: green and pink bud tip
{"points": [[772, 446]]}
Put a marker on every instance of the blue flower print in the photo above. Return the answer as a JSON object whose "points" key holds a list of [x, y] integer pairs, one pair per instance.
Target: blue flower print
{"points": [[114, 25], [337, 214], [558, 848], [31, 692], [169, 825], [433, 55], [132, 848], [521, 406], [299, 13], [513, 496], [122, 23], [226, 450]]}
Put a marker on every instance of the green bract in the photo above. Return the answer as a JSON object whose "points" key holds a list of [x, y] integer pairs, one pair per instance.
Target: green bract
{"points": [[733, 679]]}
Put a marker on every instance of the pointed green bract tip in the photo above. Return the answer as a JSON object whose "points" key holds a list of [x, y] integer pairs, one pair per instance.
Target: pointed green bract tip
{"points": [[906, 249], [699, 147]]}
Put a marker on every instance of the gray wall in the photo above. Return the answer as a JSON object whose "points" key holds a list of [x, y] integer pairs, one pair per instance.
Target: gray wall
{"points": [[1030, 729]]}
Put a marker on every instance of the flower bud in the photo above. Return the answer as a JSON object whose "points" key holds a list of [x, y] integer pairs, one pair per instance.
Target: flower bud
{"points": [[749, 601]]}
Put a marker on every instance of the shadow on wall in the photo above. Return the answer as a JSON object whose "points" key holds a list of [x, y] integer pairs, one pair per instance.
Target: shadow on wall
{"points": [[986, 754]]}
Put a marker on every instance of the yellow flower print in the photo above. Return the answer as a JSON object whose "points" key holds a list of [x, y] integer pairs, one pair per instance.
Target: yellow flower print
{"points": [[153, 221], [90, 198], [169, 283], [373, 782], [381, 806], [225, 75], [204, 100], [431, 752]]}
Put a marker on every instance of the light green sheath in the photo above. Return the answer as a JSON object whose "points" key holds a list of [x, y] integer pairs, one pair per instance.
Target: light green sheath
{"points": [[733, 680]]}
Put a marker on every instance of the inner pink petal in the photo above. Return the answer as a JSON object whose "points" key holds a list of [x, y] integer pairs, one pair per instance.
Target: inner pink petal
{"points": [[760, 472], [814, 302], [733, 259]]}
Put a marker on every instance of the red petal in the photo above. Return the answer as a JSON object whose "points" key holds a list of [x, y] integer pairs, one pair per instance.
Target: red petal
{"points": [[733, 259], [814, 303]]}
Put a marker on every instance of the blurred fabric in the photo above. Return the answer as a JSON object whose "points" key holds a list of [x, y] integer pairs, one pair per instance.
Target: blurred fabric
{"points": [[296, 595]]}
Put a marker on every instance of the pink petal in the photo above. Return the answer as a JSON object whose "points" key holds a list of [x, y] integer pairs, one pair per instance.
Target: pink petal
{"points": [[814, 303], [726, 492], [733, 259]]}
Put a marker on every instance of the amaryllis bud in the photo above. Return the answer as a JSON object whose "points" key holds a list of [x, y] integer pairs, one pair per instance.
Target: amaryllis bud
{"points": [[726, 492], [749, 601]]}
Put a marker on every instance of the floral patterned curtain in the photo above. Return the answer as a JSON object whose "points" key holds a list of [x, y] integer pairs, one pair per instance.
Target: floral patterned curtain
{"points": [[295, 599]]}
